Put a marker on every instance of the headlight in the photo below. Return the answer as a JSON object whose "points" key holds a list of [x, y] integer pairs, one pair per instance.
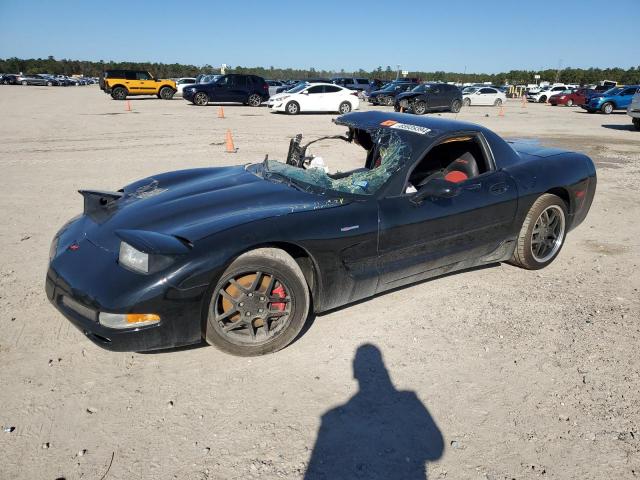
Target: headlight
{"points": [[282, 98], [127, 320], [133, 259]]}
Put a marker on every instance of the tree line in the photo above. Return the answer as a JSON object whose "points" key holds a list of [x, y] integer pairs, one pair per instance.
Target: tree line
{"points": [[94, 69]]}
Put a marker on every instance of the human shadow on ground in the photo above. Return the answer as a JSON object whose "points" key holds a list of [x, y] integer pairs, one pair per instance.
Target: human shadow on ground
{"points": [[380, 433]]}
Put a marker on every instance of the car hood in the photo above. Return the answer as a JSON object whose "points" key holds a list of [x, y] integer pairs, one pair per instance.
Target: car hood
{"points": [[402, 95], [193, 204]]}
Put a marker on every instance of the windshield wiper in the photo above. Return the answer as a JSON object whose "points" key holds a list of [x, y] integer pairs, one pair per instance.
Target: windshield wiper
{"points": [[281, 178]]}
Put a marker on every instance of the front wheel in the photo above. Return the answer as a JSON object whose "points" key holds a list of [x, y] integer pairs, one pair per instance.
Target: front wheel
{"points": [[419, 108], [345, 107], [292, 108], [254, 100], [49, 84], [542, 234], [466, 102], [542, 99], [200, 99], [498, 102], [636, 123], [259, 305], [455, 106], [607, 108], [569, 103], [119, 93], [24, 82], [166, 93]]}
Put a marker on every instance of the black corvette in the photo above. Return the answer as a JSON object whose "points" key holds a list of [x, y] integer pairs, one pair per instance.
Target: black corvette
{"points": [[240, 255]]}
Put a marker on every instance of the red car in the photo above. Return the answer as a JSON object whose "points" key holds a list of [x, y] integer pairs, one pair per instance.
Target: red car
{"points": [[569, 97]]}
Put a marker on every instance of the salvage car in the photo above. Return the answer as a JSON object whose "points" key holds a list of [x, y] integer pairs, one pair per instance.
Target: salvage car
{"points": [[317, 97], [483, 96], [241, 255], [246, 89], [633, 110], [570, 97], [429, 97], [387, 95]]}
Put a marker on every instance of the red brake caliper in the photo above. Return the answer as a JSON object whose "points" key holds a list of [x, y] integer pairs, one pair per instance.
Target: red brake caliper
{"points": [[279, 292]]}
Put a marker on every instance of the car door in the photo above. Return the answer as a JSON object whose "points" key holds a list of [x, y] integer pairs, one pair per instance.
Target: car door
{"points": [[333, 96], [220, 89], [625, 97], [417, 240], [145, 83], [238, 88], [487, 96], [313, 99]]}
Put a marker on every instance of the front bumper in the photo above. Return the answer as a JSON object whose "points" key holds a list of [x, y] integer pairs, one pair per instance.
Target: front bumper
{"points": [[82, 283]]}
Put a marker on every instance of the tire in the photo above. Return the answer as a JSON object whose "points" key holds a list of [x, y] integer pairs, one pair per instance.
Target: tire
{"points": [[389, 101], [166, 93], [466, 102], [24, 82], [545, 253], [251, 284], [200, 99], [119, 93], [542, 99], [498, 102], [607, 108], [292, 108], [455, 106], [49, 84], [254, 100], [396, 107], [569, 103], [419, 108], [636, 123], [345, 107]]}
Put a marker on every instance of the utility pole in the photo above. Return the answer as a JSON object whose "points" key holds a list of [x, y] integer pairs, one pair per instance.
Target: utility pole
{"points": [[398, 72]]}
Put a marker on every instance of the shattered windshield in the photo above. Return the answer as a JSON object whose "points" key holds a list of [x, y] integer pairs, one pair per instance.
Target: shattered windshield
{"points": [[388, 154]]}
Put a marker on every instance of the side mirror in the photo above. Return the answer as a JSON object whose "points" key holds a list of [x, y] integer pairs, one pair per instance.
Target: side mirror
{"points": [[306, 92], [438, 188]]}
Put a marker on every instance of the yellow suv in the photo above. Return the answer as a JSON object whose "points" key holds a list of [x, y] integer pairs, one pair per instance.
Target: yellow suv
{"points": [[123, 83]]}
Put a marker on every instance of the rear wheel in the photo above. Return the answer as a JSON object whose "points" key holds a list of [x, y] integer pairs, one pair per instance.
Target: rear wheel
{"points": [[419, 108], [498, 102], [259, 305], [345, 107], [119, 93], [166, 93], [254, 100], [636, 123], [466, 102], [292, 108], [456, 105], [607, 108], [49, 84], [542, 234], [200, 99], [542, 99], [569, 103], [24, 82]]}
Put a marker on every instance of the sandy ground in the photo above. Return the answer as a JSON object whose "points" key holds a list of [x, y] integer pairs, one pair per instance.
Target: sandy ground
{"points": [[506, 373]]}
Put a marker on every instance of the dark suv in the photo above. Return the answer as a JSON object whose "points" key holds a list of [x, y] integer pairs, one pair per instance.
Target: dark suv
{"points": [[430, 97], [387, 94], [246, 89]]}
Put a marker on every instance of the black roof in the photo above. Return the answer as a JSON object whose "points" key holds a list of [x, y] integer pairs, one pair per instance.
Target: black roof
{"points": [[374, 120]]}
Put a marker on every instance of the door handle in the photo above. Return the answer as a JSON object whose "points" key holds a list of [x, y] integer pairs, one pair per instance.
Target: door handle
{"points": [[473, 186], [498, 188]]}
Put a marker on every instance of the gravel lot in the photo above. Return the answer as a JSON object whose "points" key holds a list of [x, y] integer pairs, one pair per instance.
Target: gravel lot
{"points": [[498, 373]]}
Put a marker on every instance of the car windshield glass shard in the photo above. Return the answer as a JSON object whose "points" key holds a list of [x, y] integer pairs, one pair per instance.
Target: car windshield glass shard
{"points": [[388, 154]]}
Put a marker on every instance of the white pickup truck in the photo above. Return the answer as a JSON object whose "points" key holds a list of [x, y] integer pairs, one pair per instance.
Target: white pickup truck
{"points": [[633, 110]]}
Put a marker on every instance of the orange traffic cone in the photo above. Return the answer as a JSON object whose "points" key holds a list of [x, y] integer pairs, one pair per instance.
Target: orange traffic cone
{"points": [[230, 147], [221, 113], [501, 111], [128, 106]]}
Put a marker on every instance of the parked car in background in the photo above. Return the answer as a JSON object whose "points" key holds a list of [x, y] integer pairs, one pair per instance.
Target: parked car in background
{"points": [[246, 89], [352, 83], [570, 97], [273, 86], [618, 98], [183, 82], [633, 110], [315, 97], [306, 81], [429, 97], [387, 95], [545, 93], [123, 83], [9, 79], [483, 96], [207, 78], [38, 80]]}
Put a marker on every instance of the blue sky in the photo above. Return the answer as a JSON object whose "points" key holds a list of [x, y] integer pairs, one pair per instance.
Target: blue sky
{"points": [[448, 35]]}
